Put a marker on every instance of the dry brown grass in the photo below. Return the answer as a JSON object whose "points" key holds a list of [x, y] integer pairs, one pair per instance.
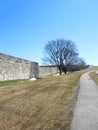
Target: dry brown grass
{"points": [[94, 76], [44, 104]]}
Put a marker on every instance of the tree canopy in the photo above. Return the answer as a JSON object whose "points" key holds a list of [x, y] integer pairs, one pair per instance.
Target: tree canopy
{"points": [[61, 53]]}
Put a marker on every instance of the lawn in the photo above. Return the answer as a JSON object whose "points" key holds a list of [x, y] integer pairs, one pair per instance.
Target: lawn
{"points": [[11, 82], [44, 104]]}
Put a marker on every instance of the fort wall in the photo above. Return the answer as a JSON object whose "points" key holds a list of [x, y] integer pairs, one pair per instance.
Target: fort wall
{"points": [[47, 70], [12, 68]]}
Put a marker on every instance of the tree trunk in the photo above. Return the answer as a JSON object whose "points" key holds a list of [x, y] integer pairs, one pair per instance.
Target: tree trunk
{"points": [[60, 71], [65, 71]]}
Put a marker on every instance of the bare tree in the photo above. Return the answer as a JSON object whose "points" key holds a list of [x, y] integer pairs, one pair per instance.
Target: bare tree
{"points": [[82, 63], [61, 53]]}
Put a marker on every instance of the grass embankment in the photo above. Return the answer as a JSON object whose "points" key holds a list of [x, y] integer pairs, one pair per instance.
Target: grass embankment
{"points": [[44, 104], [94, 76]]}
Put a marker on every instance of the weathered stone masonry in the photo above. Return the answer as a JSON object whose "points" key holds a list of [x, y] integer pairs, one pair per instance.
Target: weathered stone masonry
{"points": [[47, 70], [12, 68]]}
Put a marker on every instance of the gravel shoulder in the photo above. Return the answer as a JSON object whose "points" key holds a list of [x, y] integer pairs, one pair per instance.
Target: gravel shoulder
{"points": [[86, 111]]}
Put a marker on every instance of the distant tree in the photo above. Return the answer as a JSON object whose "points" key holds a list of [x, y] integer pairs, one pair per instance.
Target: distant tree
{"points": [[61, 53], [81, 62]]}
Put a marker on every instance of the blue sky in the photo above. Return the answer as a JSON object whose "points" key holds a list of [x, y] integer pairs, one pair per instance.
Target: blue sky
{"points": [[27, 25]]}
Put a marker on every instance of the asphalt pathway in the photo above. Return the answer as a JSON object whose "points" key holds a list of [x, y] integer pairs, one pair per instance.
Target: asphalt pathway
{"points": [[86, 111]]}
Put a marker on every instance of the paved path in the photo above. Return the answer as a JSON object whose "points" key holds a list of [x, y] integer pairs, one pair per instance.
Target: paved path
{"points": [[86, 111]]}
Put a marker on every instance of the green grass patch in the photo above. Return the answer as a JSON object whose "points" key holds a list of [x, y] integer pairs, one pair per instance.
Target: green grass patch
{"points": [[11, 82]]}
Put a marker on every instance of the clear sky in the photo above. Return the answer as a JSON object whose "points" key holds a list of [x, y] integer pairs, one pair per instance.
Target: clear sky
{"points": [[27, 25]]}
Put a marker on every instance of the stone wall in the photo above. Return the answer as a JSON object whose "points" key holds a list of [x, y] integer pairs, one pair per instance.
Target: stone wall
{"points": [[47, 70], [12, 68]]}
